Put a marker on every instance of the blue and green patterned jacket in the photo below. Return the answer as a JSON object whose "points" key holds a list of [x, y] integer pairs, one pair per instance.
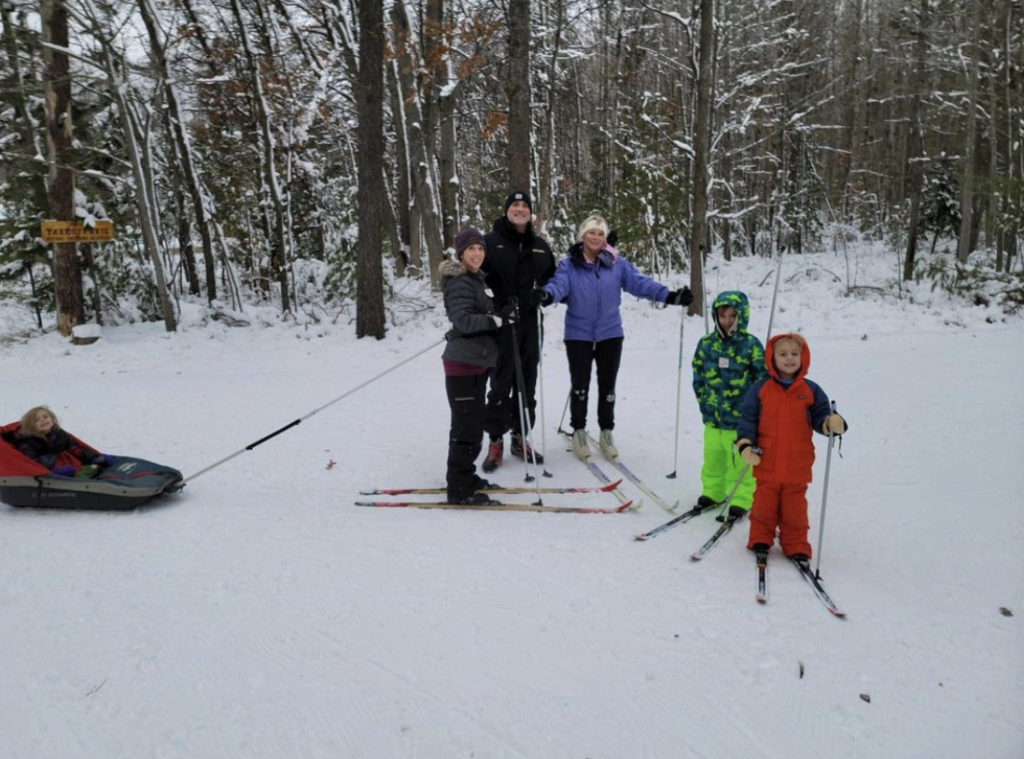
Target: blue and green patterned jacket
{"points": [[724, 365]]}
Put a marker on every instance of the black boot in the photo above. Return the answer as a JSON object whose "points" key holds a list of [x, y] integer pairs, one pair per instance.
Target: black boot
{"points": [[479, 483], [527, 451]]}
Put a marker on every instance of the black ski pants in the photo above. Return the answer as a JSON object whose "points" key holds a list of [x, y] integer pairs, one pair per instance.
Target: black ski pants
{"points": [[465, 438], [503, 398], [582, 355]]}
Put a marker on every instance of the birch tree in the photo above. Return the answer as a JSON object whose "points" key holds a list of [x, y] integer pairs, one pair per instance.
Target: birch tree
{"points": [[189, 172], [423, 169], [136, 132], [268, 160]]}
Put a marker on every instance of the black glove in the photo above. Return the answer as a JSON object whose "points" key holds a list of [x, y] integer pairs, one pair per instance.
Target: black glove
{"points": [[539, 297], [680, 297], [508, 313]]}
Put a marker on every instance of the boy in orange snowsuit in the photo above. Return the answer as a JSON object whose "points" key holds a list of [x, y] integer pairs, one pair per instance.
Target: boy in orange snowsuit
{"points": [[777, 416]]}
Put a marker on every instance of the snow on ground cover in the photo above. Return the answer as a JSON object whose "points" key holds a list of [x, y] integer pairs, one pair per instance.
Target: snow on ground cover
{"points": [[261, 614]]}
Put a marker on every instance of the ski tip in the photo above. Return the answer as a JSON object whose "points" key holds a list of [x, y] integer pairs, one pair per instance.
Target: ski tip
{"points": [[611, 486], [641, 536], [762, 600], [695, 557], [627, 506]]}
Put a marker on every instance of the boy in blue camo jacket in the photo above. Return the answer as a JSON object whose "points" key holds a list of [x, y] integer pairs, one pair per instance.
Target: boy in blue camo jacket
{"points": [[727, 361]]}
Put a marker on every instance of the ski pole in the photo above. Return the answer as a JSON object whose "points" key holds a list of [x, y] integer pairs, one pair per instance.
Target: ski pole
{"points": [[524, 424], [775, 294], [540, 382], [679, 390], [824, 496], [704, 293], [301, 419], [728, 498], [565, 408]]}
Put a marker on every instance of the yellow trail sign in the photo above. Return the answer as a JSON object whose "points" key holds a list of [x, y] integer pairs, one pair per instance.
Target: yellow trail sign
{"points": [[76, 231]]}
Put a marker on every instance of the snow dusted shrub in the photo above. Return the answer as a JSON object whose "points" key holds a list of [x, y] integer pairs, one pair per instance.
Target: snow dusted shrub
{"points": [[977, 281]]}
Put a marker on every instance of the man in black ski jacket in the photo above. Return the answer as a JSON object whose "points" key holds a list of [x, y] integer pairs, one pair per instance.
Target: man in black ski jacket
{"points": [[517, 261]]}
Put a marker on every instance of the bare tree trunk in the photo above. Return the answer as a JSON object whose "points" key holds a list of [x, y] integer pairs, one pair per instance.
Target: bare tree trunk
{"points": [[517, 90], [915, 143], [145, 198], [442, 98], [403, 254], [185, 247], [391, 229], [424, 186], [276, 236], [1012, 196], [67, 273], [966, 237], [30, 148], [701, 155], [188, 171], [369, 274], [549, 140]]}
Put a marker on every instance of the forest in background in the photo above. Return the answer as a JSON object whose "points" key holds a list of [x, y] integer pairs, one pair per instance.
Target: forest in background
{"points": [[308, 152]]}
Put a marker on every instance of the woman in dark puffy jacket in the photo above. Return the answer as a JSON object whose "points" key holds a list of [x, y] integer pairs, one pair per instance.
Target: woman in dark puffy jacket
{"points": [[472, 350]]}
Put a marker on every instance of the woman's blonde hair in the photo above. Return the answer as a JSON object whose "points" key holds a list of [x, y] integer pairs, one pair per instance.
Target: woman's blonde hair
{"points": [[28, 421]]}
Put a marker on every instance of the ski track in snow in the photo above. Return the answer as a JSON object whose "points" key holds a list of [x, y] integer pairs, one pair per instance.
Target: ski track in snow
{"points": [[261, 614]]}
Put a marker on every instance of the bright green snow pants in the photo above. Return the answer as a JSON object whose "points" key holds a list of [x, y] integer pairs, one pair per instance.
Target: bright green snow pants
{"points": [[722, 467]]}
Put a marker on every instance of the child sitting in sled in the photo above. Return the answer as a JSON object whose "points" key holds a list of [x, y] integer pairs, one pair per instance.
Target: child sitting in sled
{"points": [[40, 437]]}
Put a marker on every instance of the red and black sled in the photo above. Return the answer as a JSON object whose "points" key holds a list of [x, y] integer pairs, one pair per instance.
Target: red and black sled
{"points": [[123, 484]]}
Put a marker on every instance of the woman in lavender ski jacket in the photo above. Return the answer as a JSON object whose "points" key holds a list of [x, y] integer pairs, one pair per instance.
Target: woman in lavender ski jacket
{"points": [[591, 279]]}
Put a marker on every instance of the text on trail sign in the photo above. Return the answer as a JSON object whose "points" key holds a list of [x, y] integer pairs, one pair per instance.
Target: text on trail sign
{"points": [[76, 231]]}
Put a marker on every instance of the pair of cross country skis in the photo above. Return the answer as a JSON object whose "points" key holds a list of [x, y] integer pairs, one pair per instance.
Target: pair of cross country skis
{"points": [[728, 517], [761, 558], [608, 485]]}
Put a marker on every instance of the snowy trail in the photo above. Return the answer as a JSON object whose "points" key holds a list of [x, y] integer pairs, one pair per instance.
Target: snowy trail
{"points": [[260, 614]]}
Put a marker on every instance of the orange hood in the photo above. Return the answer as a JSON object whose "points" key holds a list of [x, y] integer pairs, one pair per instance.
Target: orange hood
{"points": [[805, 355]]}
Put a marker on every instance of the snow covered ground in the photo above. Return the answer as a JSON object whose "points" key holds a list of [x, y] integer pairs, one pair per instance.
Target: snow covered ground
{"points": [[260, 613]]}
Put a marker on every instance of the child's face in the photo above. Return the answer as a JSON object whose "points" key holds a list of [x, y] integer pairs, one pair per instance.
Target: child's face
{"points": [[787, 358], [726, 318], [44, 422]]}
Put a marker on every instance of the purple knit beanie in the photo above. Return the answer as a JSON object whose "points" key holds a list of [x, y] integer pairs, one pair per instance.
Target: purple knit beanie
{"points": [[465, 238]]}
